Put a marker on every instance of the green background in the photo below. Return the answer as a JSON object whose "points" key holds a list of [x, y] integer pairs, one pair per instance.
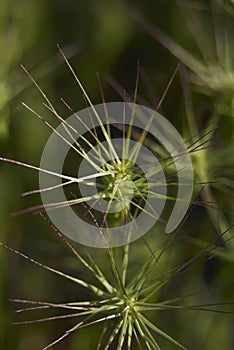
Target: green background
{"points": [[103, 36]]}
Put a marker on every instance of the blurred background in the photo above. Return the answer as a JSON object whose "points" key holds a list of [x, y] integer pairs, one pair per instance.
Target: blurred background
{"points": [[110, 37]]}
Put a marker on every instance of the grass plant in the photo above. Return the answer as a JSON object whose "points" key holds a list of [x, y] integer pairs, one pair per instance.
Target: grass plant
{"points": [[126, 295]]}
